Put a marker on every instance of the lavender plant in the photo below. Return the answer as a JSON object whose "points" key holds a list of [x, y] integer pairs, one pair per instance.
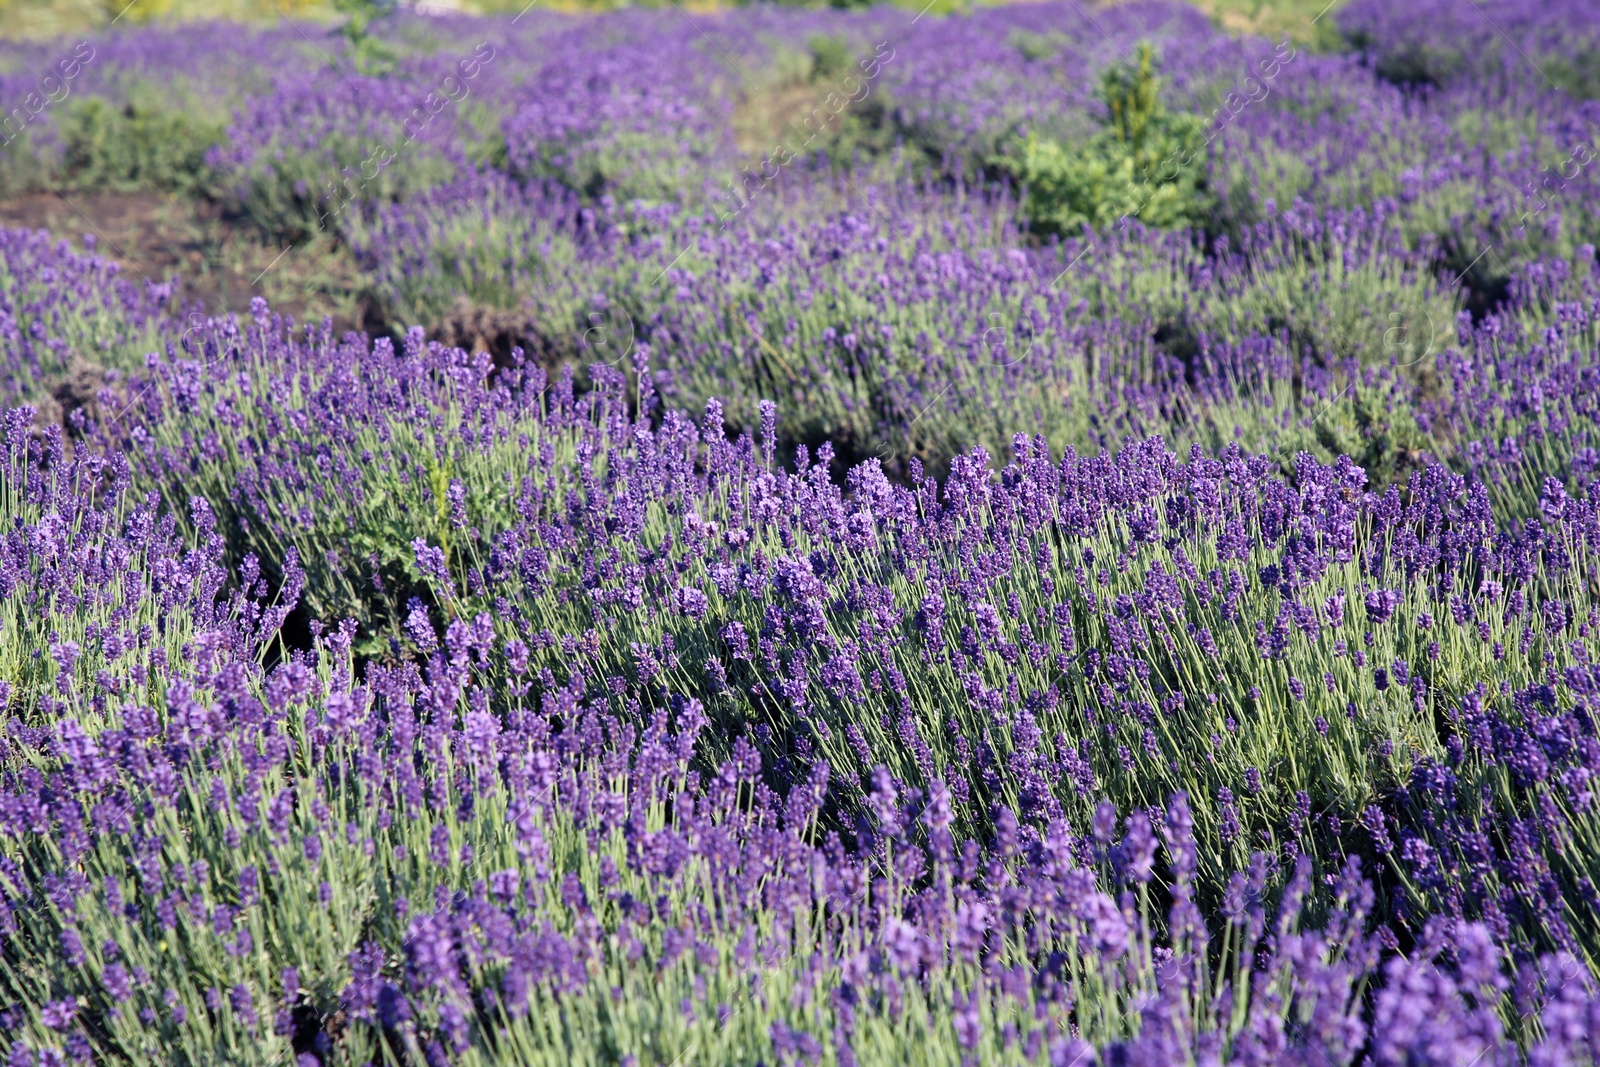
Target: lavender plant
{"points": [[601, 862], [1120, 593], [1170, 641], [61, 310]]}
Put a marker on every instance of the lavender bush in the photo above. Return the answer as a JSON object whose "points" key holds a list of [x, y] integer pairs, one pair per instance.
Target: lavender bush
{"points": [[298, 861], [765, 594], [61, 310]]}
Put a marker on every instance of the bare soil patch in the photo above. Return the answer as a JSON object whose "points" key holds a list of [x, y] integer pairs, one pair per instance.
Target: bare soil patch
{"points": [[221, 262]]}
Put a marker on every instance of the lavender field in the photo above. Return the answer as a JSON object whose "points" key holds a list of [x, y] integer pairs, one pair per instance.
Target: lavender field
{"points": [[1059, 533]]}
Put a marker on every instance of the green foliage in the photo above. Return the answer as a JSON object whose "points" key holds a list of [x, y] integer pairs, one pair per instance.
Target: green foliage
{"points": [[232, 827], [831, 57], [1243, 702], [1366, 415], [364, 568], [292, 194], [1145, 163], [480, 257], [23, 166], [34, 635], [135, 146], [1419, 63], [1037, 46], [1579, 76], [369, 54], [101, 330], [628, 165]]}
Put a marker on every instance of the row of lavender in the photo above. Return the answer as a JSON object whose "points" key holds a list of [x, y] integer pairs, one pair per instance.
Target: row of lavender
{"points": [[581, 186], [576, 189], [656, 106], [904, 322], [658, 740], [646, 808], [650, 104], [972, 645], [1351, 219], [896, 326]]}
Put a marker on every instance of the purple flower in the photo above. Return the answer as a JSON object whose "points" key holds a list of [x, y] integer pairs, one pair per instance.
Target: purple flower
{"points": [[1179, 834], [1073, 1052], [243, 1004], [72, 947], [903, 944], [431, 562], [988, 620], [420, 628], [1105, 822], [1381, 605], [1230, 828], [691, 603], [1138, 852], [516, 656], [117, 984], [1421, 1017], [456, 497], [884, 801], [58, 1014]]}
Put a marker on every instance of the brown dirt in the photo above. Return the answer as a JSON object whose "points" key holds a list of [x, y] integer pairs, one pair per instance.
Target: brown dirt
{"points": [[482, 329], [497, 331], [221, 262], [776, 116], [80, 388]]}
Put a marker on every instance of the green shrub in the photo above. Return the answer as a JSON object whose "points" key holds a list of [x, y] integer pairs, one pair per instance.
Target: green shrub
{"points": [[369, 54], [831, 57], [627, 165], [1144, 162], [22, 165], [504, 271], [292, 194], [135, 146], [1037, 46]]}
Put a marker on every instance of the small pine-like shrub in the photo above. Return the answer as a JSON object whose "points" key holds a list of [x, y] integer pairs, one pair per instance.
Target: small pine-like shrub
{"points": [[1144, 163], [369, 53]]}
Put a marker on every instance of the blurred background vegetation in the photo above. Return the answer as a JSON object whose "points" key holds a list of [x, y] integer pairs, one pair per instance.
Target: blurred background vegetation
{"points": [[1304, 21]]}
